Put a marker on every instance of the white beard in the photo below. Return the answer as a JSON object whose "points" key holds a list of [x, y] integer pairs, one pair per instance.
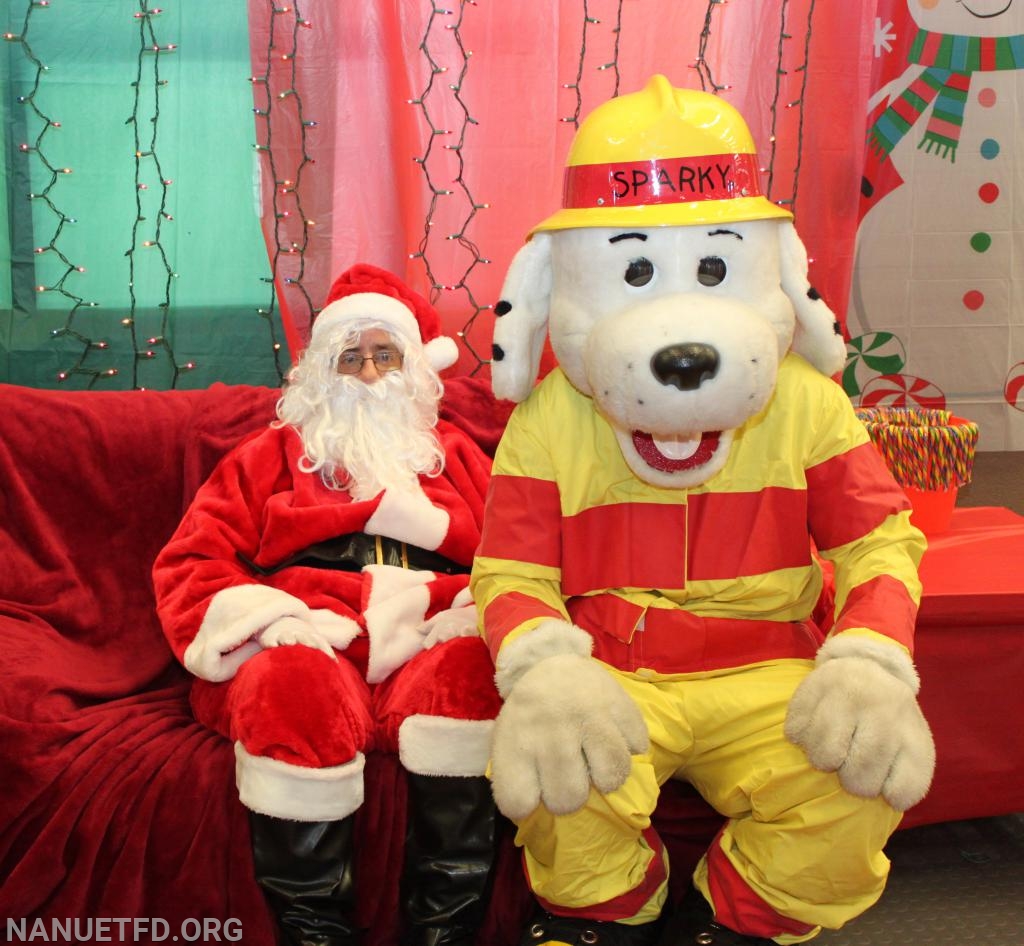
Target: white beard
{"points": [[365, 437]]}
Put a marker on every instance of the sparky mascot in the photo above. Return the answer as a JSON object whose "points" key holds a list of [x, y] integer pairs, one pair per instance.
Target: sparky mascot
{"points": [[317, 590], [649, 563]]}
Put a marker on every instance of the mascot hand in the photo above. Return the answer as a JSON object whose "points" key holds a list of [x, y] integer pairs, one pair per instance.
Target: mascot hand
{"points": [[566, 724], [449, 624], [291, 630], [857, 715]]}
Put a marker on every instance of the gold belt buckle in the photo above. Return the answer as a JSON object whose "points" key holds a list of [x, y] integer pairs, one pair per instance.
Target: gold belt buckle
{"points": [[378, 544]]}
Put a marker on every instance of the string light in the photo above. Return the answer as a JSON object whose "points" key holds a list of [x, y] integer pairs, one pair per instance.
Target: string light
{"points": [[148, 165], [433, 163], [281, 93], [709, 83], [614, 64], [802, 68], [37, 151], [707, 79], [575, 86]]}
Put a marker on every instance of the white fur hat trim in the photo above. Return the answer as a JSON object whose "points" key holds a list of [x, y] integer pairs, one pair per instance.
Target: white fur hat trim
{"points": [[440, 352]]}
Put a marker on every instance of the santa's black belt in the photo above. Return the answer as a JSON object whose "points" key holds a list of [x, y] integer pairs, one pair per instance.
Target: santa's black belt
{"points": [[352, 552]]}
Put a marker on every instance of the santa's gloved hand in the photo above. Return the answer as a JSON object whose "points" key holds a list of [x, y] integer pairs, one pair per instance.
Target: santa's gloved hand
{"points": [[449, 624], [292, 630], [857, 715], [566, 724]]}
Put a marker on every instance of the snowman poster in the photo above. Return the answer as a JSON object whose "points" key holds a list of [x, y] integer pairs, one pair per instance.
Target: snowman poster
{"points": [[936, 312]]}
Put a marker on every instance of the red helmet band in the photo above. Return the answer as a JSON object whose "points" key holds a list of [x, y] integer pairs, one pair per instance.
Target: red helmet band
{"points": [[661, 181]]}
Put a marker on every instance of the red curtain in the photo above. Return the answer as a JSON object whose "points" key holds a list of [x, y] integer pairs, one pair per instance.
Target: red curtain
{"points": [[442, 128]]}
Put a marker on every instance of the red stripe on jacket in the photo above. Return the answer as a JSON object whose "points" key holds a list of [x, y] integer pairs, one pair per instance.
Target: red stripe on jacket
{"points": [[515, 505], [677, 641], [860, 473], [624, 545], [771, 524], [644, 545], [881, 602], [506, 612]]}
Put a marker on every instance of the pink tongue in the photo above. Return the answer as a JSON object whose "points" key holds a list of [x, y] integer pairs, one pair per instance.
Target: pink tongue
{"points": [[653, 457]]}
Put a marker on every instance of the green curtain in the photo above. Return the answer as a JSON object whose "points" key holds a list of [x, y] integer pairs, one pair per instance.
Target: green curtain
{"points": [[190, 111]]}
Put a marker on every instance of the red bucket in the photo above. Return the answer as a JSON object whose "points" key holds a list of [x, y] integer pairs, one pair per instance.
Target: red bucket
{"points": [[930, 453], [933, 508]]}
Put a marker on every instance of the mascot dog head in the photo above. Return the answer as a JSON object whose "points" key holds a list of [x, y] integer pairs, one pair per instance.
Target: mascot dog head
{"points": [[670, 287]]}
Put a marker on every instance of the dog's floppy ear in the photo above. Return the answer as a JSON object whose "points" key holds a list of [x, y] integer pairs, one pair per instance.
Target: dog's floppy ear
{"points": [[818, 336], [522, 320]]}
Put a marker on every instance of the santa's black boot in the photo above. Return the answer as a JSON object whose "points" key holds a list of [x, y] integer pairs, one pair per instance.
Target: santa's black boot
{"points": [[693, 924], [450, 846], [305, 870]]}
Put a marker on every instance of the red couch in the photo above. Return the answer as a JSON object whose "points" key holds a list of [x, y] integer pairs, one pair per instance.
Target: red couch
{"points": [[114, 802]]}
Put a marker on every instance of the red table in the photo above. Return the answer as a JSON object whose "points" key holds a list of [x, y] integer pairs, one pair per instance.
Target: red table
{"points": [[970, 654]]}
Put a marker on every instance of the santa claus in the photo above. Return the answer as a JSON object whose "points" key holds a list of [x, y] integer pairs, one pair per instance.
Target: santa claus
{"points": [[317, 590]]}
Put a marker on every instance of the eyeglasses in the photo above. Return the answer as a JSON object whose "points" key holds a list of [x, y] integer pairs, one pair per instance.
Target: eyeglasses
{"points": [[384, 360]]}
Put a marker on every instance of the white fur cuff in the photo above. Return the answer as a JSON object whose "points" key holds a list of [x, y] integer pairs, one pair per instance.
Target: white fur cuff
{"points": [[437, 745], [890, 657], [550, 638], [407, 515], [235, 615], [394, 614], [337, 630], [295, 792]]}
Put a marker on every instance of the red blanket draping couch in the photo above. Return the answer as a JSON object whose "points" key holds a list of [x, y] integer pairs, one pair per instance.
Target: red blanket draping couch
{"points": [[114, 802]]}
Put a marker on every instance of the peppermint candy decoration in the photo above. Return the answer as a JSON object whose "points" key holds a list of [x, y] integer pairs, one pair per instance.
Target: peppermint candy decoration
{"points": [[870, 355], [902, 390], [1013, 390]]}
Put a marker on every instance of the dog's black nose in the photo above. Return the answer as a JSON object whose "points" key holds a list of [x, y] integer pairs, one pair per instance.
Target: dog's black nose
{"points": [[687, 365]]}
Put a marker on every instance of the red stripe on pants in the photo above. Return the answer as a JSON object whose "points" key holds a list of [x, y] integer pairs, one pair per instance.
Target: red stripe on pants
{"points": [[738, 907], [629, 903]]}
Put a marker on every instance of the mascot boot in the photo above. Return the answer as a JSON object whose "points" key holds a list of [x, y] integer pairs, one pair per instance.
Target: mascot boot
{"points": [[305, 871], [546, 929], [694, 923], [449, 855]]}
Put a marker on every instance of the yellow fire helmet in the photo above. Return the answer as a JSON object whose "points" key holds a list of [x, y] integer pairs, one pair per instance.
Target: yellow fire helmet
{"points": [[662, 157]]}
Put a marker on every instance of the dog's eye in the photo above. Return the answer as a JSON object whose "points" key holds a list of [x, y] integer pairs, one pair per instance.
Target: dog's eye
{"points": [[639, 272], [711, 271]]}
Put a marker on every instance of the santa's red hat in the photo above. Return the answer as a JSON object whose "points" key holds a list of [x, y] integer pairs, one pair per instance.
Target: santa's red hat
{"points": [[365, 292]]}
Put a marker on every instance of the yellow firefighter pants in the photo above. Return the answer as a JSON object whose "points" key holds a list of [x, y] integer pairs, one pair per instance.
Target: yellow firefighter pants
{"points": [[805, 847]]}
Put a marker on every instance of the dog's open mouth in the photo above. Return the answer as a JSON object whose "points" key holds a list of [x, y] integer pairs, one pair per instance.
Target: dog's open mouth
{"points": [[669, 456]]}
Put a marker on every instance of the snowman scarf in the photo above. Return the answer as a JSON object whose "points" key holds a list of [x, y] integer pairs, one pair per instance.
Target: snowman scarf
{"points": [[949, 63]]}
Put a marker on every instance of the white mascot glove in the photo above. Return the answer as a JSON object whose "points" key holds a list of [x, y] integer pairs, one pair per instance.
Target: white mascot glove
{"points": [[566, 724], [291, 630], [857, 715], [447, 625]]}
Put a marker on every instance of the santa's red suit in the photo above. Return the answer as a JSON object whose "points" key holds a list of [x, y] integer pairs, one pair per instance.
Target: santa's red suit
{"points": [[290, 709], [320, 626]]}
